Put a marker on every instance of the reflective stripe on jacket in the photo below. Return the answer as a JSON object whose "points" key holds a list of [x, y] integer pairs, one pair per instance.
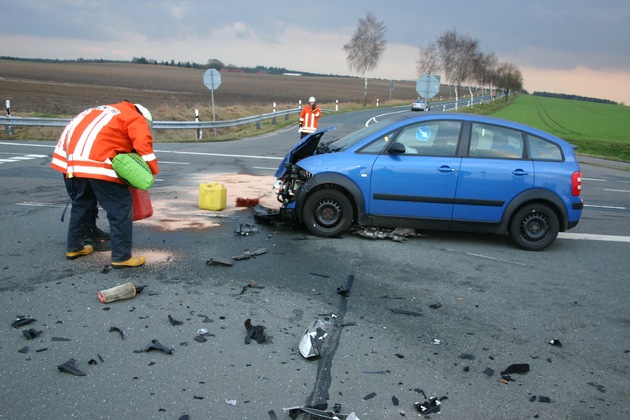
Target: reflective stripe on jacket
{"points": [[93, 138]]}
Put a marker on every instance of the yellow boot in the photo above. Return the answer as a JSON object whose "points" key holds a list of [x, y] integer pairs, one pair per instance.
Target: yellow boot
{"points": [[87, 250], [131, 262]]}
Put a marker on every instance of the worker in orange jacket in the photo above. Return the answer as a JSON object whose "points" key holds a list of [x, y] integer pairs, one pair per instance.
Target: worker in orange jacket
{"points": [[84, 153], [309, 117]]}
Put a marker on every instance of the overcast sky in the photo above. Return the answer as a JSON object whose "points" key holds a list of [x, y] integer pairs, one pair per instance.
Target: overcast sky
{"points": [[565, 46]]}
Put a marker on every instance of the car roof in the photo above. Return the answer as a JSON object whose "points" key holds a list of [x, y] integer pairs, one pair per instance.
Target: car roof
{"points": [[404, 119]]}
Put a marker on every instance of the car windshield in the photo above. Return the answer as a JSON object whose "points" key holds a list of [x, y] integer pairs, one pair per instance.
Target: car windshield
{"points": [[353, 138]]}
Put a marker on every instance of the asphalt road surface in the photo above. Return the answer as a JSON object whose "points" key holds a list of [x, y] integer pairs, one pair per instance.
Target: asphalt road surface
{"points": [[438, 315]]}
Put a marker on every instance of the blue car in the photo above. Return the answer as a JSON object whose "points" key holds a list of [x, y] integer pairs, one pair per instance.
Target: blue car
{"points": [[446, 171]]}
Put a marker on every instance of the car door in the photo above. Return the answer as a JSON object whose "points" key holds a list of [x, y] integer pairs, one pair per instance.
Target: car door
{"points": [[492, 174], [420, 180]]}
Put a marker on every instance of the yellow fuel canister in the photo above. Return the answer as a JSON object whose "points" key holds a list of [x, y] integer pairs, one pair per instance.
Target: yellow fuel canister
{"points": [[212, 196]]}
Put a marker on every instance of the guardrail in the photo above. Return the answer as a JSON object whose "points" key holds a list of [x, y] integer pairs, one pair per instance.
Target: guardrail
{"points": [[158, 125]]}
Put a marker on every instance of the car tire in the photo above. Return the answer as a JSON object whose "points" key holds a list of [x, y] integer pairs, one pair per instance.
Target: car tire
{"points": [[534, 227], [327, 213]]}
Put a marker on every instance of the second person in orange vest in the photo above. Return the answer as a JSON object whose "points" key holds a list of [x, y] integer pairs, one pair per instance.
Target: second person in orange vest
{"points": [[309, 117]]}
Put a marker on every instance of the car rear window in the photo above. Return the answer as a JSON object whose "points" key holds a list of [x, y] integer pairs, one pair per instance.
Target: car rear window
{"points": [[491, 141], [540, 149]]}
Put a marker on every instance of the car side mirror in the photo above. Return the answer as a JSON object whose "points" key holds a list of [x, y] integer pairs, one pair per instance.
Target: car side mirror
{"points": [[396, 149]]}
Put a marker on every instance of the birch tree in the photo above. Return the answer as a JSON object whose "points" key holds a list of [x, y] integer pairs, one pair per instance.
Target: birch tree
{"points": [[457, 54], [365, 48]]}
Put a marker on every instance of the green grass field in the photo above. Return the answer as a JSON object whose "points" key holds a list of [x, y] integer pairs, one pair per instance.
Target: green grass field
{"points": [[597, 129]]}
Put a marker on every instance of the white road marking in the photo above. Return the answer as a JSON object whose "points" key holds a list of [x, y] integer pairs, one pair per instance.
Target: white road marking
{"points": [[611, 190], [160, 162], [605, 207], [495, 259], [262, 167], [594, 237]]}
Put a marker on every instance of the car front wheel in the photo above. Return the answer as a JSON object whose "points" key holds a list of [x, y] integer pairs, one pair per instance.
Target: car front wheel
{"points": [[534, 227], [327, 213]]}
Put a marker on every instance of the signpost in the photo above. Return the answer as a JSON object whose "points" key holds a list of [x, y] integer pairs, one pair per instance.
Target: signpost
{"points": [[212, 80], [428, 86]]}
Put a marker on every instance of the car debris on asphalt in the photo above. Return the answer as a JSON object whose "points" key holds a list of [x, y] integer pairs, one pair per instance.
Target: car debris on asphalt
{"points": [[313, 339], [254, 332], [396, 235], [22, 321], [70, 367]]}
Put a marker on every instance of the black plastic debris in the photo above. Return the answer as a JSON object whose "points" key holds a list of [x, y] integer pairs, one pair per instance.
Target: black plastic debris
{"points": [[313, 339], [400, 356], [220, 261], [543, 399], [71, 368], [174, 322], [467, 356], [22, 321], [24, 350], [532, 398], [405, 312], [60, 339], [184, 417], [254, 332], [316, 413], [156, 345], [264, 214], [369, 396], [41, 350], [245, 229], [343, 291], [516, 368], [432, 405], [319, 275], [31, 333], [118, 330], [198, 398], [100, 358], [436, 305], [555, 342], [251, 285], [395, 400], [200, 338], [247, 254], [92, 362], [488, 371]]}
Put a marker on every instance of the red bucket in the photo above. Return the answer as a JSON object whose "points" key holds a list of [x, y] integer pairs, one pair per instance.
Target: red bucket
{"points": [[142, 207]]}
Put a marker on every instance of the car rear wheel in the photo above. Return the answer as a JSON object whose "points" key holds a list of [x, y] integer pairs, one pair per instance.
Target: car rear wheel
{"points": [[327, 213], [534, 227]]}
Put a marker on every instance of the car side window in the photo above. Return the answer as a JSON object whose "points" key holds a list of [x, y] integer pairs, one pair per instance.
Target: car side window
{"points": [[489, 141], [376, 146], [433, 138], [540, 149]]}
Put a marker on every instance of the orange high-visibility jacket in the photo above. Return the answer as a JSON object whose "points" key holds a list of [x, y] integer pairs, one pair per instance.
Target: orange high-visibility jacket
{"points": [[309, 118], [93, 138]]}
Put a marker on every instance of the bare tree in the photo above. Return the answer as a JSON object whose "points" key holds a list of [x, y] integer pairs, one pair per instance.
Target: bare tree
{"points": [[366, 47], [458, 54], [428, 60], [485, 69], [509, 78]]}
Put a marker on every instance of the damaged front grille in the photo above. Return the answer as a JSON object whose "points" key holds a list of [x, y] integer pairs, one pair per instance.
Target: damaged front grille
{"points": [[287, 188]]}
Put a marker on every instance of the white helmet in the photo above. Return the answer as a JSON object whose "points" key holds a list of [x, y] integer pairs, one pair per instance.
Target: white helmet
{"points": [[145, 113], [311, 100]]}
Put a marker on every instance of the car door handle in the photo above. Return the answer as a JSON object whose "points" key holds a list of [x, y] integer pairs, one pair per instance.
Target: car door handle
{"points": [[446, 168], [519, 172]]}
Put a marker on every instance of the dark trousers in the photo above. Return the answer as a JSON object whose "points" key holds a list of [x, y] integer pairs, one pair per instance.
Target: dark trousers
{"points": [[115, 199]]}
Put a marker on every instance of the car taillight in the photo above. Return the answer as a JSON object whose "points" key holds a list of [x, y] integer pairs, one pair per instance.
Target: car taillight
{"points": [[576, 183]]}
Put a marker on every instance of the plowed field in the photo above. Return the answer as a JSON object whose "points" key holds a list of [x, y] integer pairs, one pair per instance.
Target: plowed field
{"points": [[65, 89]]}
